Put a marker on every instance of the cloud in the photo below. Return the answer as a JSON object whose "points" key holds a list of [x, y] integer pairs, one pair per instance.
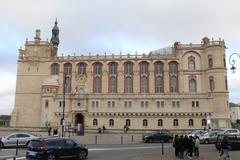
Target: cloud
{"points": [[112, 26]]}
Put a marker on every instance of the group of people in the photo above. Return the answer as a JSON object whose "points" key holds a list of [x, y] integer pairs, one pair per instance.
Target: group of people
{"points": [[101, 130], [186, 147]]}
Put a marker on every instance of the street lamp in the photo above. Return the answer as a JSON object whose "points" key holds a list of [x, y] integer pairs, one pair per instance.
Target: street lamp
{"points": [[64, 93], [232, 62]]}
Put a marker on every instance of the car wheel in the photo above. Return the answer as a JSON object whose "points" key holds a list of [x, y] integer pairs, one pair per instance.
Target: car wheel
{"points": [[206, 141], [51, 157], [1, 145], [82, 155]]}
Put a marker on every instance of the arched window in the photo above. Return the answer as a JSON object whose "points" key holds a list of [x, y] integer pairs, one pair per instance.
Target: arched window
{"points": [[158, 68], [192, 86], [211, 83], [128, 68], [204, 122], [191, 65], [128, 122], [97, 69], [144, 84], [54, 69], [97, 85], [113, 68], [144, 68], [145, 123], [175, 123], [68, 69], [128, 85], [95, 122], [173, 75], [173, 86], [97, 77], [111, 122], [113, 85], [210, 61], [67, 85], [159, 84], [160, 123], [190, 123], [81, 68]]}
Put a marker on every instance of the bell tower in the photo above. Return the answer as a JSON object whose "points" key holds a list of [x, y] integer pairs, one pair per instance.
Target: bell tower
{"points": [[55, 40]]}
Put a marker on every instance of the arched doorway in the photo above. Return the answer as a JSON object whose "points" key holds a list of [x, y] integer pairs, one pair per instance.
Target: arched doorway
{"points": [[79, 118]]}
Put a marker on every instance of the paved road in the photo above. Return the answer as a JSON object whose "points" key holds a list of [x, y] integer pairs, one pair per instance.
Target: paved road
{"points": [[135, 152]]}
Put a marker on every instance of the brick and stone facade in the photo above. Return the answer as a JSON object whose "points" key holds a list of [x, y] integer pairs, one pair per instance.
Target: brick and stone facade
{"points": [[179, 87]]}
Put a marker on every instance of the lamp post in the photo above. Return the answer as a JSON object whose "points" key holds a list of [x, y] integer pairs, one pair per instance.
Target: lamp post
{"points": [[64, 92], [232, 62]]}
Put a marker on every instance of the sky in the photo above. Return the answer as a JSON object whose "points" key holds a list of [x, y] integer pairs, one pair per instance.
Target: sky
{"points": [[115, 26]]}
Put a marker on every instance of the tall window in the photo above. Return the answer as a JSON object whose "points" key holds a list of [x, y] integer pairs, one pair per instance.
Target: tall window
{"points": [[97, 85], [211, 83], [173, 77], [144, 77], [128, 77], [190, 123], [204, 122], [145, 123], [97, 77], [54, 69], [113, 85], [111, 122], [210, 61], [67, 85], [144, 85], [68, 69], [128, 122], [112, 78], [175, 123], [191, 63], [160, 123], [159, 80], [81, 68], [95, 122], [192, 86]]}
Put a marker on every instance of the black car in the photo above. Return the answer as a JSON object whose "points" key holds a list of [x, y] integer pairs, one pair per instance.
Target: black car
{"points": [[234, 141], [158, 136], [55, 148]]}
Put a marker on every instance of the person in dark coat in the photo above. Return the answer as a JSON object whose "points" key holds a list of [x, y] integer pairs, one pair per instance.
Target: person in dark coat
{"points": [[49, 131], [176, 145], [186, 145], [181, 147], [190, 146]]}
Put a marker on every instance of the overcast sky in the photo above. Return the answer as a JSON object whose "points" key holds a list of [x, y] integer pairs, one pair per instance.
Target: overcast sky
{"points": [[114, 26]]}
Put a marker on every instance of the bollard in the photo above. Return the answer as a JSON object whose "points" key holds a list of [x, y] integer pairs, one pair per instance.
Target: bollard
{"points": [[17, 148], [162, 148], [132, 138], [95, 139], [121, 139]]}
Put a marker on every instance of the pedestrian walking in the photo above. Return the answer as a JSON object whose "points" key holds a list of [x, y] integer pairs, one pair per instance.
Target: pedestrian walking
{"points": [[49, 131], [186, 145], [103, 128], [176, 145], [224, 149], [181, 147], [196, 146], [190, 147]]}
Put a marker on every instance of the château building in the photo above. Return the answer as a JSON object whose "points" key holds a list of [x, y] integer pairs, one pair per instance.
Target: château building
{"points": [[178, 87]]}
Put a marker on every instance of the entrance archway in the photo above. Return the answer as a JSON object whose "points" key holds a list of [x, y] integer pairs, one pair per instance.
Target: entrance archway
{"points": [[79, 118]]}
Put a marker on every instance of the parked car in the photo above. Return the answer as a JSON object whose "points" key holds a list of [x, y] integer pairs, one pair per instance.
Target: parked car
{"points": [[196, 133], [55, 148], [11, 140], [158, 136], [208, 137], [229, 131], [234, 141]]}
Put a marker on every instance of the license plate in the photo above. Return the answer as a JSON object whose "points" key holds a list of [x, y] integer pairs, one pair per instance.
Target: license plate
{"points": [[31, 153]]}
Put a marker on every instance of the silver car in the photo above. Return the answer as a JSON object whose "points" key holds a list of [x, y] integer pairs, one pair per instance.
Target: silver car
{"points": [[208, 137], [12, 139]]}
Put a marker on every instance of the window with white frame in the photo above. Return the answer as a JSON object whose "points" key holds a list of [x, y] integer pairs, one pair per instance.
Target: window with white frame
{"points": [[145, 123], [95, 122], [111, 123]]}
